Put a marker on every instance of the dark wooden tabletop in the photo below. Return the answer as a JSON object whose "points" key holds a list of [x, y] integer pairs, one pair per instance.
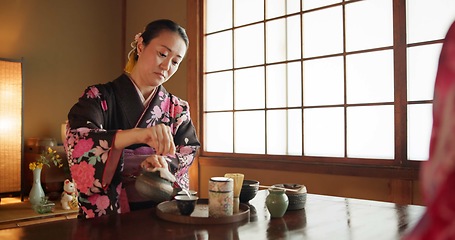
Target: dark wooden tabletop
{"points": [[324, 217]]}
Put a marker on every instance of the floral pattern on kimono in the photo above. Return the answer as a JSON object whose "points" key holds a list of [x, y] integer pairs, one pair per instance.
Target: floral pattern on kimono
{"points": [[92, 125]]}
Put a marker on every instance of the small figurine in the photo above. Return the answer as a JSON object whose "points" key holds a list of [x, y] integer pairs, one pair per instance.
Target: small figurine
{"points": [[69, 195]]}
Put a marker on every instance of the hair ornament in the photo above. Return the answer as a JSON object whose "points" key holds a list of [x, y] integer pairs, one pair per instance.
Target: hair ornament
{"points": [[134, 45], [137, 36]]}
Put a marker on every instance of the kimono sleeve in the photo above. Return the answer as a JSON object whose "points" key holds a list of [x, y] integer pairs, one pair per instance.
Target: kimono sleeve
{"points": [[185, 140], [88, 145]]}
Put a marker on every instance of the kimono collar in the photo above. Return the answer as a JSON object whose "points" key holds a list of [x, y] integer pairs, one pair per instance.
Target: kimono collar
{"points": [[130, 103], [145, 102], [128, 100]]}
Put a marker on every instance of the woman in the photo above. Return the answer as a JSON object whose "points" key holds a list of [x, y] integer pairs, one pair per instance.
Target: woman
{"points": [[130, 116], [438, 174]]}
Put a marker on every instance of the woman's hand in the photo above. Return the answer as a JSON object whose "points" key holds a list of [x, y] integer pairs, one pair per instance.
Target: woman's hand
{"points": [[160, 138], [154, 161]]}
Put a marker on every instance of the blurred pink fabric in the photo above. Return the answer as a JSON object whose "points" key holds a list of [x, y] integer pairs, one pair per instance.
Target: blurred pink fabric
{"points": [[437, 175]]}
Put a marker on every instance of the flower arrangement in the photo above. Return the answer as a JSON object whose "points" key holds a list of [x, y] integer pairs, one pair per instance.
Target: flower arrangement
{"points": [[45, 159]]}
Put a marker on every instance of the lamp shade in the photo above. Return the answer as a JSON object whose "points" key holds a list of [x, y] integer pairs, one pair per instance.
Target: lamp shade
{"points": [[11, 133]]}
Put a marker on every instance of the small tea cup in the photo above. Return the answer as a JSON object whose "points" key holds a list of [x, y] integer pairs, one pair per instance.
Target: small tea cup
{"points": [[186, 204], [191, 192], [249, 190]]}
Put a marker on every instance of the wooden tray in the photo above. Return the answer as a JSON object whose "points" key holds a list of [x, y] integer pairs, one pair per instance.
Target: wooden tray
{"points": [[168, 211]]}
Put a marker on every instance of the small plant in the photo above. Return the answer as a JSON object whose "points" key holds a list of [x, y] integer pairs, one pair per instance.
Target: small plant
{"points": [[45, 206], [46, 157]]}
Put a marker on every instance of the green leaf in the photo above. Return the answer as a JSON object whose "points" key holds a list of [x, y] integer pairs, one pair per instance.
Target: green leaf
{"points": [[92, 160]]}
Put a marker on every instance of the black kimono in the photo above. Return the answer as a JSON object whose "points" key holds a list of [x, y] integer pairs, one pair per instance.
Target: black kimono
{"points": [[93, 122]]}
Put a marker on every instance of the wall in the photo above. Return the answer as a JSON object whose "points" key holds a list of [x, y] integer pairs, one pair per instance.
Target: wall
{"points": [[66, 46]]}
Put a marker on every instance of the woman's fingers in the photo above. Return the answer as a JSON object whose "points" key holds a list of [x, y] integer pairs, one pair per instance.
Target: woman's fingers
{"points": [[168, 146], [168, 143], [160, 138], [146, 165], [163, 139], [163, 162], [154, 161], [172, 149], [151, 137]]}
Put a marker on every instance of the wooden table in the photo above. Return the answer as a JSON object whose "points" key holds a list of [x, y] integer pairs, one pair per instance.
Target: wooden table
{"points": [[324, 217], [20, 214]]}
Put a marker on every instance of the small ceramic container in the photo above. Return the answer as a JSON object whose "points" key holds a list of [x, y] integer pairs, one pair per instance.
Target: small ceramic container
{"points": [[221, 197], [277, 202], [297, 199], [185, 204]]}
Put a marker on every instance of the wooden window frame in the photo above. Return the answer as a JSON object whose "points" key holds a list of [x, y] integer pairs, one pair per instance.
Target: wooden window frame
{"points": [[398, 168]]}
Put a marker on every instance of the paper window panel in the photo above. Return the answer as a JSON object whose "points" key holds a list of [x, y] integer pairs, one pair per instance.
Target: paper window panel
{"points": [[324, 132], [218, 132], [249, 132], [428, 21], [422, 67], [370, 132], [420, 123]]}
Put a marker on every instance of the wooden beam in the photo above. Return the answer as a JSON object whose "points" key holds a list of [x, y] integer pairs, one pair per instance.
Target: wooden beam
{"points": [[193, 29], [400, 191], [375, 171]]}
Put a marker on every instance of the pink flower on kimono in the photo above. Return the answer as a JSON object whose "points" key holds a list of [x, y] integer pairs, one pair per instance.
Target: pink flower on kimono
{"points": [[83, 174], [93, 92], [177, 110], [92, 199], [175, 126], [96, 186], [104, 105], [83, 146], [157, 112], [88, 212], [186, 150], [102, 150], [182, 119], [175, 101], [84, 131], [165, 104], [165, 119], [70, 139], [102, 202]]}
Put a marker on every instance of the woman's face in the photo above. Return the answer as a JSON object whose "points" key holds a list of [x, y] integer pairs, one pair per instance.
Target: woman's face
{"points": [[160, 59]]}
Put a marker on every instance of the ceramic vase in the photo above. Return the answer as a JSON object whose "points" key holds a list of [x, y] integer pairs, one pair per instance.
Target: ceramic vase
{"points": [[37, 192], [277, 202]]}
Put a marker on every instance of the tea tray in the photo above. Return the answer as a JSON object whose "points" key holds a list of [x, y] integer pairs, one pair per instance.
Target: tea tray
{"points": [[168, 211]]}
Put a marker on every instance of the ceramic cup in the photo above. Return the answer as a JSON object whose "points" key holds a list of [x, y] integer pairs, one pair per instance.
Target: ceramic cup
{"points": [[191, 192], [186, 204]]}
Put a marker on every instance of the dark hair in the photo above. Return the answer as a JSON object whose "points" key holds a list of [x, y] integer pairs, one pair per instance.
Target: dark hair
{"points": [[151, 31]]}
